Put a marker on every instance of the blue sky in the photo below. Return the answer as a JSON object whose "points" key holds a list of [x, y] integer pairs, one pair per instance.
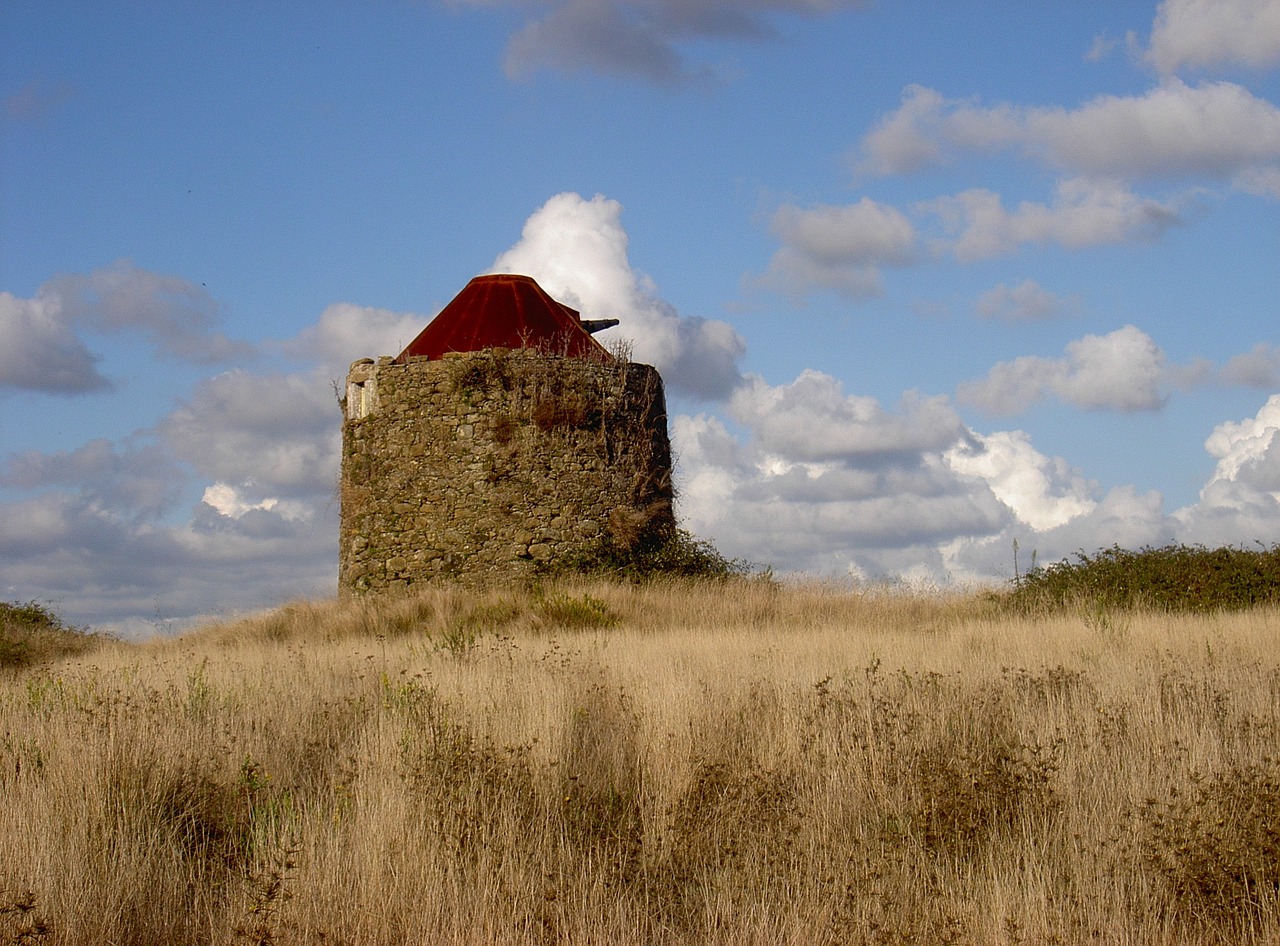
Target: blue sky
{"points": [[923, 279]]}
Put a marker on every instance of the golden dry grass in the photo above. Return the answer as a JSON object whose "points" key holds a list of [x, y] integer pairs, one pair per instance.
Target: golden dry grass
{"points": [[671, 764]]}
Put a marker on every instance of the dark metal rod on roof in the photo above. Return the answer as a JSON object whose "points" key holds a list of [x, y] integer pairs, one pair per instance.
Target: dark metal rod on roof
{"points": [[597, 325]]}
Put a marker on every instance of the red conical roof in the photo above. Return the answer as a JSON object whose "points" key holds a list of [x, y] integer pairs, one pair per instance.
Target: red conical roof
{"points": [[505, 311]]}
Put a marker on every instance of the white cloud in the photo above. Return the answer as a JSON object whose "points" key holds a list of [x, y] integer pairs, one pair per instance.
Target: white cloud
{"points": [[136, 481], [232, 502], [577, 251], [137, 576], [1026, 302], [1122, 371], [839, 247], [1083, 214], [41, 347], [1246, 446], [179, 316], [346, 331], [1259, 368], [40, 352], [1042, 492], [1101, 47], [908, 139], [812, 419], [1240, 503], [636, 38], [277, 433], [1217, 130], [1208, 33], [101, 532], [826, 482]]}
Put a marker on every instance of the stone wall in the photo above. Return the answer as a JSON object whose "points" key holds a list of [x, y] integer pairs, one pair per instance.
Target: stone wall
{"points": [[486, 466]]}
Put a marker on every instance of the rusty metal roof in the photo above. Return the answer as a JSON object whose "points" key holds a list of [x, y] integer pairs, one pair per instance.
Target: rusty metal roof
{"points": [[505, 311]]}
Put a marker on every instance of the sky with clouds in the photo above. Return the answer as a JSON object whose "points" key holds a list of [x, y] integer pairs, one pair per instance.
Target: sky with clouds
{"points": [[924, 280]]}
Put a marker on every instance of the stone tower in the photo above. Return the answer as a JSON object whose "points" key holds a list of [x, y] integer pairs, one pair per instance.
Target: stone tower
{"points": [[489, 465]]}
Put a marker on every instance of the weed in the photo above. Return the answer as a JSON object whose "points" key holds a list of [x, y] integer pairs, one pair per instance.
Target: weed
{"points": [[20, 923], [583, 613], [1216, 844], [976, 781], [461, 634], [602, 780], [268, 893], [632, 552], [708, 763]]}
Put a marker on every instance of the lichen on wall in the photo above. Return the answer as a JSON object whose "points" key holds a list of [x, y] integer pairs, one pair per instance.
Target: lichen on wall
{"points": [[490, 465]]}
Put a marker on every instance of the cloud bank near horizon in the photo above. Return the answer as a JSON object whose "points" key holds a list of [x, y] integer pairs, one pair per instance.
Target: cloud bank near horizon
{"points": [[227, 502]]}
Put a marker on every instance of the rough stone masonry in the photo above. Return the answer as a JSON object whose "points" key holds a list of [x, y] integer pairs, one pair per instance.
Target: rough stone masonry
{"points": [[489, 466]]}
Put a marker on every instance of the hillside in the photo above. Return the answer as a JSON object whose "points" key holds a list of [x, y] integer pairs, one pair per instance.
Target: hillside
{"points": [[734, 762]]}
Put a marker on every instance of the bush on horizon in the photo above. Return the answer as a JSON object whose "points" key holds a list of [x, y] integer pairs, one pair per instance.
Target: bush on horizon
{"points": [[31, 633], [1173, 577]]}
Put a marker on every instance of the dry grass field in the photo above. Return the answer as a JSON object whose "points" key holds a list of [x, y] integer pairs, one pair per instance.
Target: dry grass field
{"points": [[716, 763]]}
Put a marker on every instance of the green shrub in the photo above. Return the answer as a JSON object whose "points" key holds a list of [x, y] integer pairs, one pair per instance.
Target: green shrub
{"points": [[561, 610], [31, 634], [675, 554], [1170, 578]]}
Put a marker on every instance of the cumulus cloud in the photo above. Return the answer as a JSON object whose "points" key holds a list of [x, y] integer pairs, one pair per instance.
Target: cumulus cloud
{"points": [[838, 247], [1259, 367], [1202, 34], [1216, 130], [1101, 47], [137, 577], [812, 419], [40, 352], [1042, 492], [345, 332], [943, 511], [137, 482], [827, 482], [637, 38], [41, 346], [178, 316], [1124, 370], [1241, 500], [102, 531], [1084, 213], [927, 129], [815, 480], [1025, 302], [577, 251], [273, 435]]}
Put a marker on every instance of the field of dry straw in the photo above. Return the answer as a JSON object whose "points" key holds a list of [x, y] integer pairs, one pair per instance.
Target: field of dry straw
{"points": [[735, 763]]}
